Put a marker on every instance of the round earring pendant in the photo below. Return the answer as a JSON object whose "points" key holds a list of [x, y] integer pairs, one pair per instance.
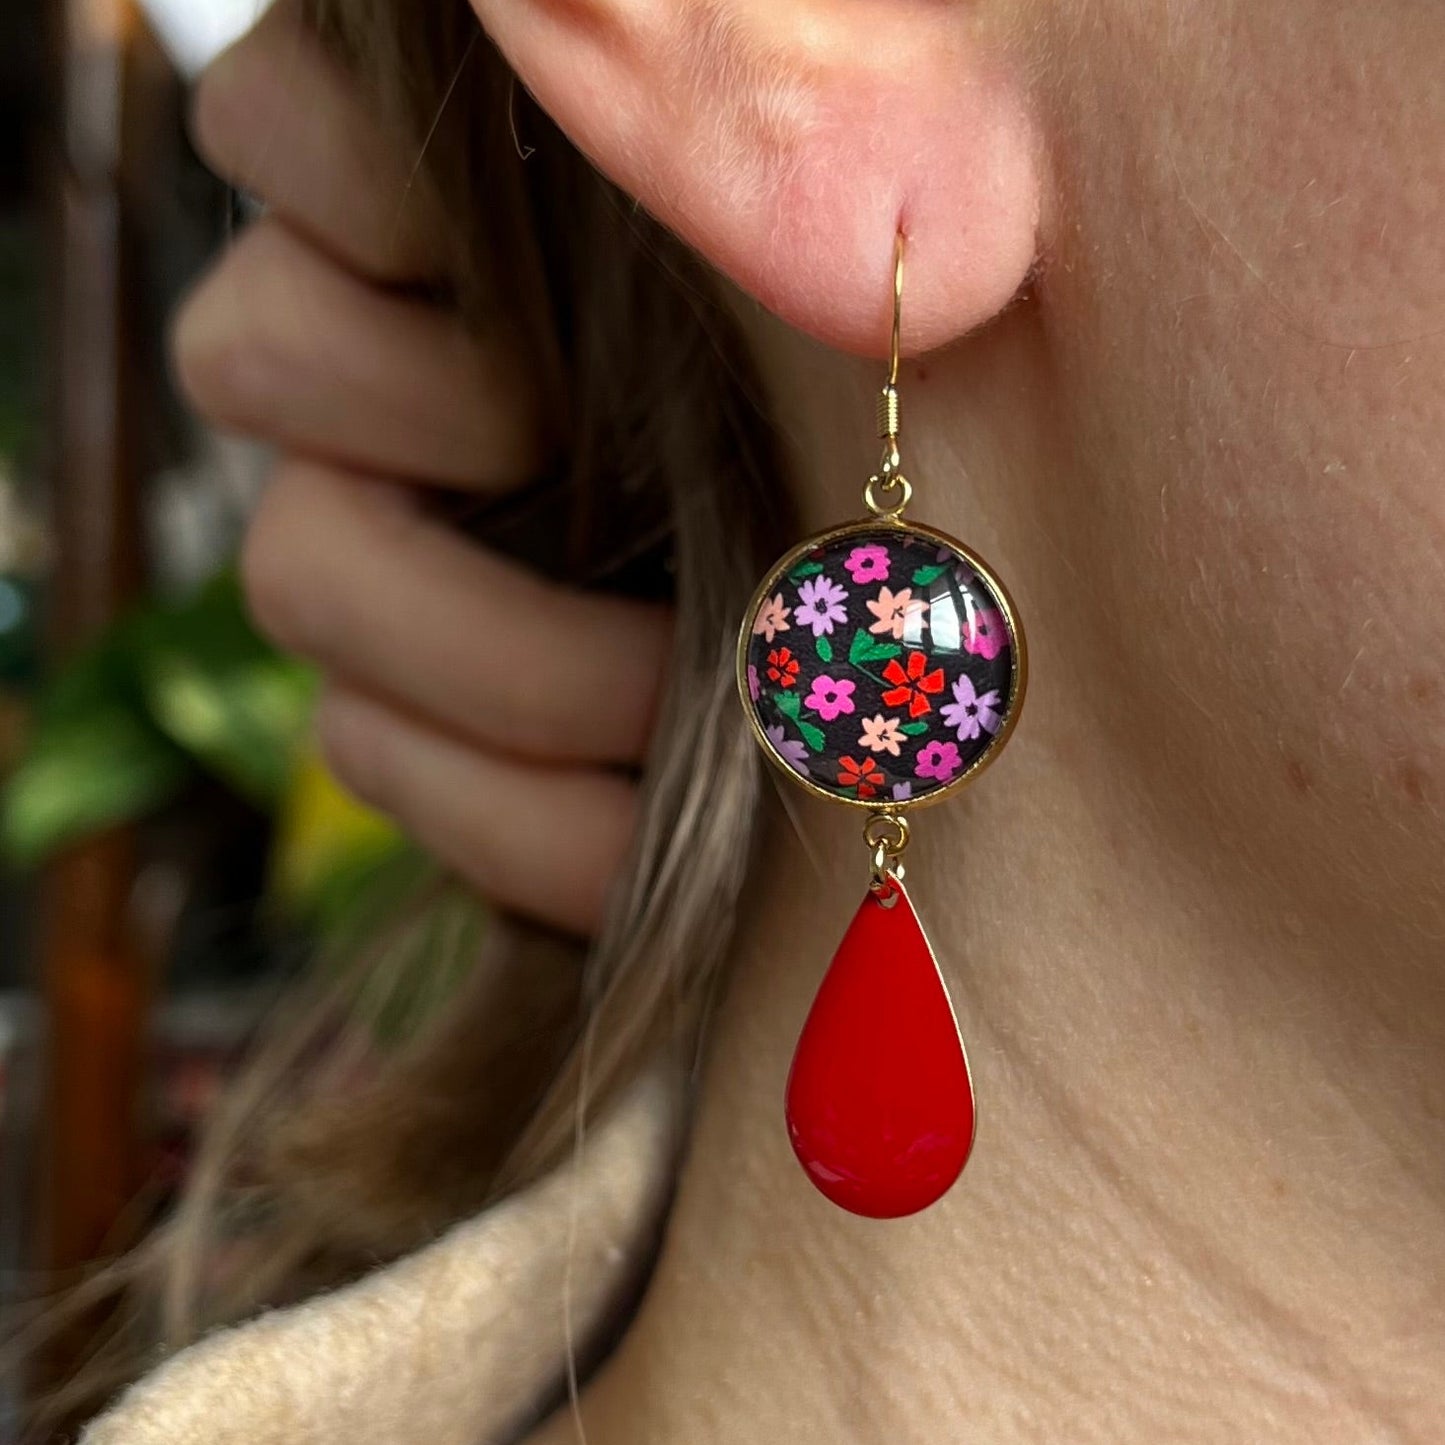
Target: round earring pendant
{"points": [[881, 664]]}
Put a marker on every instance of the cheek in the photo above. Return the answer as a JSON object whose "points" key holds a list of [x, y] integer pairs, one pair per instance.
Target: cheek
{"points": [[1245, 298]]}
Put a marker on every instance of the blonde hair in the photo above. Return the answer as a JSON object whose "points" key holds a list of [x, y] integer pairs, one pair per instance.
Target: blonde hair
{"points": [[327, 1159]]}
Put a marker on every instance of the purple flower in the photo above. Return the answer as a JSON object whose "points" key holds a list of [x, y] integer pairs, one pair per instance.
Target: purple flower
{"points": [[830, 696], [792, 752], [868, 563], [754, 686], [820, 604], [986, 634], [938, 760], [902, 792], [971, 713]]}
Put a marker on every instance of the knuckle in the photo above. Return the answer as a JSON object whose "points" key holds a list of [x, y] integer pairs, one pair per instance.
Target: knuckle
{"points": [[265, 579], [276, 583], [224, 107], [202, 347], [222, 352], [354, 753]]}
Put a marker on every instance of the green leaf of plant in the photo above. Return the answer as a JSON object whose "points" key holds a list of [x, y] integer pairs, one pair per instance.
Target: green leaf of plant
{"points": [[94, 759], [117, 731], [813, 736], [823, 648], [787, 703], [925, 575], [867, 648], [914, 729], [805, 569], [220, 692]]}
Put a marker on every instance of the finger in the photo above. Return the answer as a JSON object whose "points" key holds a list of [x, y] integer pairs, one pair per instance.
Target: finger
{"points": [[280, 343], [350, 572], [278, 116], [543, 841]]}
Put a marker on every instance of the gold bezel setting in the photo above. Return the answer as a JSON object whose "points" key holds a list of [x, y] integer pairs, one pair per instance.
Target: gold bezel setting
{"points": [[876, 525]]}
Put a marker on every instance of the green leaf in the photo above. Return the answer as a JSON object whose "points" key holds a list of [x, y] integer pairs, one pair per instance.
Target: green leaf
{"points": [[117, 733], [866, 648], [823, 648], [787, 703], [925, 575], [861, 647], [914, 729], [813, 736], [222, 693], [94, 759], [805, 569]]}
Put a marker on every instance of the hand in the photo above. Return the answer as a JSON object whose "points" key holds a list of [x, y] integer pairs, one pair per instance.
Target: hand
{"points": [[477, 703]]}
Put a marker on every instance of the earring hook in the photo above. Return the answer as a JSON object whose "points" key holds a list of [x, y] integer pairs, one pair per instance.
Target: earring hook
{"points": [[888, 490], [897, 309]]}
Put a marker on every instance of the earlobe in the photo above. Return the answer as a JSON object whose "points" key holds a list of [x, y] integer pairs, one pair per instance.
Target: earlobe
{"points": [[788, 144]]}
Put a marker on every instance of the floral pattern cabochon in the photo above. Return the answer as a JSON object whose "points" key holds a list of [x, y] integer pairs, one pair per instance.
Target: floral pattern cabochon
{"points": [[881, 665]]}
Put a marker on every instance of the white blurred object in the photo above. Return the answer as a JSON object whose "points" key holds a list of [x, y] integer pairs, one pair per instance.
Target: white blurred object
{"points": [[195, 513], [194, 32]]}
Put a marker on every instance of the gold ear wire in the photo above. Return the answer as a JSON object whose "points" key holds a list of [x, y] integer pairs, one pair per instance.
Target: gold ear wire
{"points": [[889, 478], [897, 308]]}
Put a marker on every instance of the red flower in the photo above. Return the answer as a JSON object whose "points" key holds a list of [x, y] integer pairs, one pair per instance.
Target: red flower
{"points": [[909, 687], [864, 776], [783, 667]]}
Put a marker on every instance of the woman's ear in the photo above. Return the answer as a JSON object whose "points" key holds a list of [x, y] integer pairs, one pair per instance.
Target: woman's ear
{"points": [[789, 140]]}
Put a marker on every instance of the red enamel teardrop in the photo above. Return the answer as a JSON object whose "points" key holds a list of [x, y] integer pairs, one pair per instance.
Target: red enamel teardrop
{"points": [[879, 1103]]}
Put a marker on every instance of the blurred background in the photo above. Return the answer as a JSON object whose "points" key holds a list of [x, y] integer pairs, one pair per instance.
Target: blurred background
{"points": [[171, 849]]}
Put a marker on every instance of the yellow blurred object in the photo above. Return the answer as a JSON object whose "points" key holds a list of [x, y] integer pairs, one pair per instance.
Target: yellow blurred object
{"points": [[323, 833]]}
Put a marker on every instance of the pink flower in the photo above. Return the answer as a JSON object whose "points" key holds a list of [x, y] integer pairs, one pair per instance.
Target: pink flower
{"points": [[830, 697], [881, 734], [938, 760], [971, 713], [868, 563], [987, 633], [754, 686], [894, 611], [772, 617], [820, 604], [792, 752]]}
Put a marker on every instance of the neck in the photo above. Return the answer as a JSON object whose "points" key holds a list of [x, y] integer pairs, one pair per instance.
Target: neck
{"points": [[1205, 1197]]}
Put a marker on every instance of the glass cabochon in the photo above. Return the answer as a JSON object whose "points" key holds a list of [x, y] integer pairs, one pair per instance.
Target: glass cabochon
{"points": [[880, 665]]}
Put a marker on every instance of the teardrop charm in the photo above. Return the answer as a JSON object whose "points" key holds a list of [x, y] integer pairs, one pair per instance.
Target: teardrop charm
{"points": [[879, 1102]]}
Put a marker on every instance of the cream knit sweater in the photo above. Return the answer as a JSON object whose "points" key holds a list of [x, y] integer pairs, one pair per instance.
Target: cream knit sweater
{"points": [[454, 1345]]}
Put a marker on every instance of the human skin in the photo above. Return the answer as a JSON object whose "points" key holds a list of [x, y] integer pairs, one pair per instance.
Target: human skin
{"points": [[308, 336], [1193, 919]]}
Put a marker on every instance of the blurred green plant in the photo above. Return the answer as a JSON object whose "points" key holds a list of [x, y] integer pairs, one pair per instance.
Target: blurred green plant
{"points": [[173, 691], [168, 690], [177, 691], [329, 852], [94, 757]]}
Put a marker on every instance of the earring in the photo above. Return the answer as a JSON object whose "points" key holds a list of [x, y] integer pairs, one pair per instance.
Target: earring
{"points": [[882, 665]]}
